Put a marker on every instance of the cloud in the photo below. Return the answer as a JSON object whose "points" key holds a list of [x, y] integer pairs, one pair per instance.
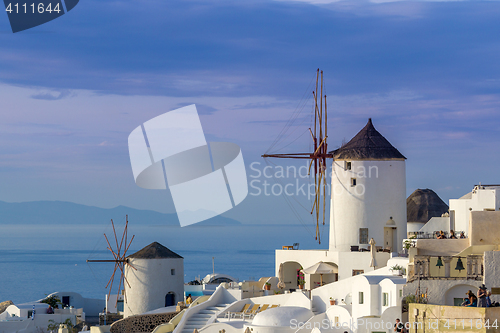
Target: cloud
{"points": [[52, 96], [426, 72], [264, 48]]}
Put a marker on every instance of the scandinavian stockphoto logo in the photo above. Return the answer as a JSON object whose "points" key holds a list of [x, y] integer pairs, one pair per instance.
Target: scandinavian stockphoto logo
{"points": [[31, 13], [205, 179]]}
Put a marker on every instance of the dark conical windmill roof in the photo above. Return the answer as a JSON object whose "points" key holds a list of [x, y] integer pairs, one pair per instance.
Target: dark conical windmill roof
{"points": [[368, 144], [422, 205], [154, 251]]}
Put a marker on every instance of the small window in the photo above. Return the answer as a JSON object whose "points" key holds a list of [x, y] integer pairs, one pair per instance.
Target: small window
{"points": [[357, 272], [401, 293], [348, 165], [361, 297], [337, 321], [363, 235], [353, 181], [172, 271], [386, 299], [119, 305]]}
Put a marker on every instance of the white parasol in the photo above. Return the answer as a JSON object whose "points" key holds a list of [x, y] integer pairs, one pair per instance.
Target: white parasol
{"points": [[320, 268], [373, 262]]}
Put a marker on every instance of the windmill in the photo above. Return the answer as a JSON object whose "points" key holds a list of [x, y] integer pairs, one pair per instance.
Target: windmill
{"points": [[317, 156], [120, 257]]}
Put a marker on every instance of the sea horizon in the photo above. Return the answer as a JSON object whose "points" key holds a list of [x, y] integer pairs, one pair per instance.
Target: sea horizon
{"points": [[36, 260]]}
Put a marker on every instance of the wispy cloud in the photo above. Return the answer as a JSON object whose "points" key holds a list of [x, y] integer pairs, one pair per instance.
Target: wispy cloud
{"points": [[426, 72], [52, 96]]}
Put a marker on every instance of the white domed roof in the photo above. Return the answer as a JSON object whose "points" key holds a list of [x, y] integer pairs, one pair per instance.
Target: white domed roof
{"points": [[282, 316]]}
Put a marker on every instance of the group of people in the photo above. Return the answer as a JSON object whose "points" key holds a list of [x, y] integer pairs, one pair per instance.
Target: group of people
{"points": [[441, 235], [482, 300]]}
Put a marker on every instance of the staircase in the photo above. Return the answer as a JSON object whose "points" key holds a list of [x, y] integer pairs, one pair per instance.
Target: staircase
{"points": [[314, 310], [199, 319]]}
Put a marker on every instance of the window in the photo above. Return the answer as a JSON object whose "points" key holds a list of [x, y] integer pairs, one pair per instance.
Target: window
{"points": [[363, 235], [357, 272], [360, 297], [337, 321], [119, 305], [172, 271], [401, 293], [353, 181], [348, 165], [385, 299]]}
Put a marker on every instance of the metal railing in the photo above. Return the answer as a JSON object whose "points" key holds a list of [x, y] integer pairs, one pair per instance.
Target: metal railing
{"points": [[446, 267], [433, 235]]}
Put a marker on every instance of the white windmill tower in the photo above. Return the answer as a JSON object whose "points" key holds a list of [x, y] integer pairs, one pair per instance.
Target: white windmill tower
{"points": [[368, 193], [155, 278]]}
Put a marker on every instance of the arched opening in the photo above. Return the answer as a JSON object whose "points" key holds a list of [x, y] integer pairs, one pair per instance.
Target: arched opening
{"points": [[456, 295], [170, 299], [390, 236], [290, 274], [390, 239]]}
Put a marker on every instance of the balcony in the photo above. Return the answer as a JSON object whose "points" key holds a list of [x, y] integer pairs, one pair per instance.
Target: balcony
{"points": [[446, 267]]}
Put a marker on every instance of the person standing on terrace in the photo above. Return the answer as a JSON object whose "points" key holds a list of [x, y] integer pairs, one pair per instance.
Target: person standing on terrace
{"points": [[482, 293]]}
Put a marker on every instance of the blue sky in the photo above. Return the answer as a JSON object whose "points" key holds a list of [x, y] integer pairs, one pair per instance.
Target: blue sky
{"points": [[72, 90]]}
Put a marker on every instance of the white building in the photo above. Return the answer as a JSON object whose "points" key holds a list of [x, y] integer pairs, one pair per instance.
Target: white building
{"points": [[20, 317], [435, 262], [91, 306], [364, 303], [368, 193], [156, 278], [368, 201], [482, 197]]}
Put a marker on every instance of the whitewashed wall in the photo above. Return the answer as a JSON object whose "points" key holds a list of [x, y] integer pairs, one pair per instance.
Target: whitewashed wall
{"points": [[151, 282], [380, 193], [478, 200]]}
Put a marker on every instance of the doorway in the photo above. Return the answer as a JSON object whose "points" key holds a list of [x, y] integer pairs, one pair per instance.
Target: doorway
{"points": [[390, 238], [169, 299]]}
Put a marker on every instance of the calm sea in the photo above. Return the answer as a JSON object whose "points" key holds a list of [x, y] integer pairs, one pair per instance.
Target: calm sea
{"points": [[37, 260]]}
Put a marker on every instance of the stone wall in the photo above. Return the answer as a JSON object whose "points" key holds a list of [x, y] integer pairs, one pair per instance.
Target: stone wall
{"points": [[109, 318], [141, 323], [438, 318]]}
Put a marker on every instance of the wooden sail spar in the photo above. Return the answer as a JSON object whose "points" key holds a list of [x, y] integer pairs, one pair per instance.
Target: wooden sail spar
{"points": [[318, 156], [120, 258]]}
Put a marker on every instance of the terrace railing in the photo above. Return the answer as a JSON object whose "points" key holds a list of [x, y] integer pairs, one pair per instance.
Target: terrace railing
{"points": [[469, 267]]}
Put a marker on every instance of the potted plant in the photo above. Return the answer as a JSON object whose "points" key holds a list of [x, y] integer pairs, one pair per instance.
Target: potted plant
{"points": [[408, 243], [397, 270], [267, 286], [52, 300], [300, 278], [332, 301]]}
